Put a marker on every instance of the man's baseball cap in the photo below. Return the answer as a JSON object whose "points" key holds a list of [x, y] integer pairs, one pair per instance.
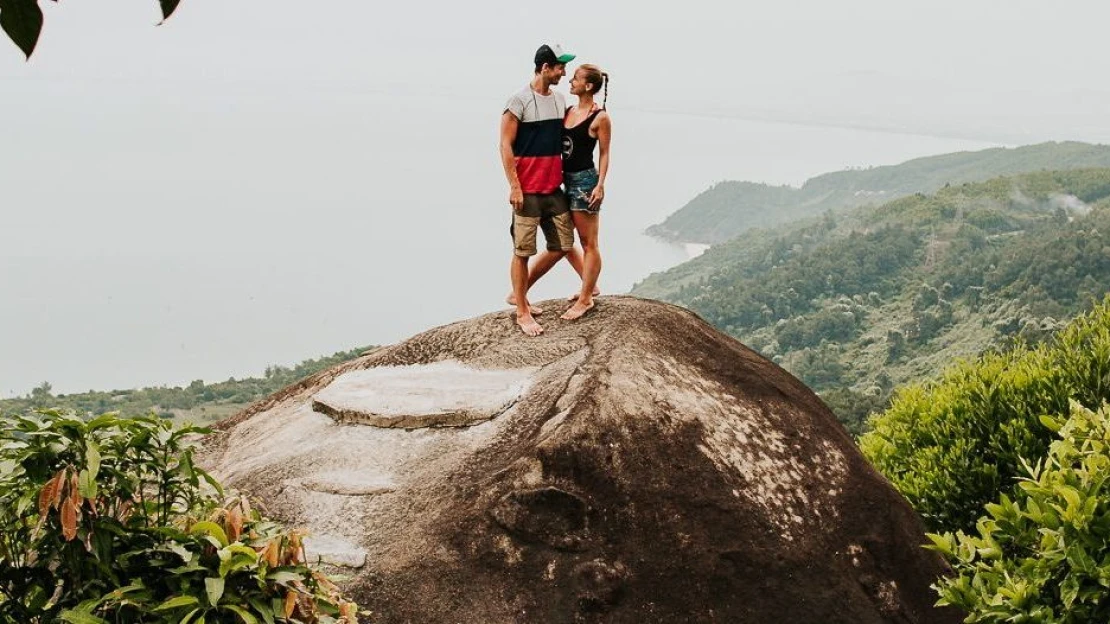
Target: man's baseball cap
{"points": [[552, 54]]}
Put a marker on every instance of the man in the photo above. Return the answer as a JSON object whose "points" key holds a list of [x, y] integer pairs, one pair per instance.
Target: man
{"points": [[531, 153]]}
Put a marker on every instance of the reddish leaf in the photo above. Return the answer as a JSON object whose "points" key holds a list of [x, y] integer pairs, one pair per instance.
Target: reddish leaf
{"points": [[294, 549], [75, 490], [69, 519], [50, 492], [22, 20], [61, 477], [290, 604], [234, 524], [270, 553]]}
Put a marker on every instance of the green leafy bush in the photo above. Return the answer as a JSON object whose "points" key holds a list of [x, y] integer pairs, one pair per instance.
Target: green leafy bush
{"points": [[1043, 556], [109, 520], [952, 445]]}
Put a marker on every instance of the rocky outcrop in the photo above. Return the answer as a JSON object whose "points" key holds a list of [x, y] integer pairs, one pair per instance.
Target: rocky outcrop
{"points": [[633, 466]]}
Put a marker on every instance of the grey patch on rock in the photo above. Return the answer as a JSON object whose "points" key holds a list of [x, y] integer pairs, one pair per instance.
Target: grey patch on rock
{"points": [[334, 550], [345, 484], [441, 394], [545, 515]]}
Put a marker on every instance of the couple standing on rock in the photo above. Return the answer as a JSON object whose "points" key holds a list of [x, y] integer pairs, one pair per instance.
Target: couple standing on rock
{"points": [[545, 144]]}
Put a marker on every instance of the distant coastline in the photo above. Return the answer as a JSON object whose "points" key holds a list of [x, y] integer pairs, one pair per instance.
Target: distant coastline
{"points": [[693, 250]]}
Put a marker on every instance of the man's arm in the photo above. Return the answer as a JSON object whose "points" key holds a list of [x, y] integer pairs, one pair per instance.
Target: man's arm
{"points": [[509, 125]]}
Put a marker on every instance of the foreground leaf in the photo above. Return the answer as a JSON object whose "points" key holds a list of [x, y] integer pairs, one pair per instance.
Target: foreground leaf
{"points": [[168, 7], [86, 484], [246, 617], [177, 602], [210, 528], [22, 20], [50, 493], [69, 519], [80, 617], [214, 586], [92, 457]]}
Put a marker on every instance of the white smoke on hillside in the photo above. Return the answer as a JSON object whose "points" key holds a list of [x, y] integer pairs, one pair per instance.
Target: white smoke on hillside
{"points": [[1071, 203]]}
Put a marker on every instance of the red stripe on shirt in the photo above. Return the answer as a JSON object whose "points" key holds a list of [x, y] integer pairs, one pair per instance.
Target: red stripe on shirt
{"points": [[539, 174]]}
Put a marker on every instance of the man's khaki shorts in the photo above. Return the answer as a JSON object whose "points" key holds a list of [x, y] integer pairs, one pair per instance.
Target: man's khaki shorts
{"points": [[550, 213]]}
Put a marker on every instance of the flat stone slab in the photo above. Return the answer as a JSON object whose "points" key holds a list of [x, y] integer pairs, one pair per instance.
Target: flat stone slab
{"points": [[346, 483], [334, 550], [442, 394]]}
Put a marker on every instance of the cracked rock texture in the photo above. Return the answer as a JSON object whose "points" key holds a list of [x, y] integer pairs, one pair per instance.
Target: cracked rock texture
{"points": [[634, 466]]}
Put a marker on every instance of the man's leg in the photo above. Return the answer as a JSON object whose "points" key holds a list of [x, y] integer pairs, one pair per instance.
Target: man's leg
{"points": [[556, 228], [538, 267], [524, 225], [518, 273], [587, 226], [558, 232]]}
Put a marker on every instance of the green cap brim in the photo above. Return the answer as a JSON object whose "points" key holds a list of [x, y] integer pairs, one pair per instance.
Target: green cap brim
{"points": [[564, 59]]}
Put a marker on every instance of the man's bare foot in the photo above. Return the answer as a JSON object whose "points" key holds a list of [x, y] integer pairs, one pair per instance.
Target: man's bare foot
{"points": [[511, 300], [575, 296], [577, 310], [529, 326]]}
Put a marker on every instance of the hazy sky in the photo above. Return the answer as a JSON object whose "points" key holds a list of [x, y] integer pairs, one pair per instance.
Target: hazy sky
{"points": [[255, 183]]}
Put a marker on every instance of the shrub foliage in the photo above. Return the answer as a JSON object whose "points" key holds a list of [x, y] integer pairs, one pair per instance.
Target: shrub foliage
{"points": [[952, 445], [109, 520], [1044, 555]]}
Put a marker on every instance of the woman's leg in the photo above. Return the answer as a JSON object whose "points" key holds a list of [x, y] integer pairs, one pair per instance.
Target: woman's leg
{"points": [[587, 226], [574, 257]]}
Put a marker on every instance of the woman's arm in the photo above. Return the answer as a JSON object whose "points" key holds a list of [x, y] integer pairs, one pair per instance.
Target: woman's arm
{"points": [[604, 133]]}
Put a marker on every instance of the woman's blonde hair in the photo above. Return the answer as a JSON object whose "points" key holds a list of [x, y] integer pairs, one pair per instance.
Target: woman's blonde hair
{"points": [[597, 78]]}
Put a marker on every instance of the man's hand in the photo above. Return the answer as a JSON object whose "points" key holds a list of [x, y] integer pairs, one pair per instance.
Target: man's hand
{"points": [[596, 197], [516, 198]]}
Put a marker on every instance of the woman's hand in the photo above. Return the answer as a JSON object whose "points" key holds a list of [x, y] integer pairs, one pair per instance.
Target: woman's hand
{"points": [[596, 197]]}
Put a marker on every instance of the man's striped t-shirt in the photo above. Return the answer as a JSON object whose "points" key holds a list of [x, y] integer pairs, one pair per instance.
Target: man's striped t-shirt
{"points": [[538, 148]]}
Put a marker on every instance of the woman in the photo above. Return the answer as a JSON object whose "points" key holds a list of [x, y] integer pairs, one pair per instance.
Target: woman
{"points": [[585, 127]]}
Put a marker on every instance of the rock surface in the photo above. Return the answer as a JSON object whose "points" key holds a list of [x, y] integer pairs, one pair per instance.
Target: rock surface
{"points": [[634, 466]]}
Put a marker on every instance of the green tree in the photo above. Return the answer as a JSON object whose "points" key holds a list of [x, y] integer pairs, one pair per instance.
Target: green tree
{"points": [[42, 392]]}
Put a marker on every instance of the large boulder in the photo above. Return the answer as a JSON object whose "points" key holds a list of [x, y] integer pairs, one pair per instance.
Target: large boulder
{"points": [[633, 466]]}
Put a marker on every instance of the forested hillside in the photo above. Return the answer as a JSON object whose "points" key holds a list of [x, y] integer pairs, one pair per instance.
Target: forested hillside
{"points": [[857, 303], [729, 208], [198, 402]]}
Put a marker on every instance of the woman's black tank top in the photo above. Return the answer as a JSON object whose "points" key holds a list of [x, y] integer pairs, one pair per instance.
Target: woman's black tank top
{"points": [[578, 145]]}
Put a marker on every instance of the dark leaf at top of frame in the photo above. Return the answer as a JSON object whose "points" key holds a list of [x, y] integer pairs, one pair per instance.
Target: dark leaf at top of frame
{"points": [[168, 7], [22, 20]]}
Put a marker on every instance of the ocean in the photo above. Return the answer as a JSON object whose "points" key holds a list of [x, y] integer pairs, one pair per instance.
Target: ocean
{"points": [[231, 232]]}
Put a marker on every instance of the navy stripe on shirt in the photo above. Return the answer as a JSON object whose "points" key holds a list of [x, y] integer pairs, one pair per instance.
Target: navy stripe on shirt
{"points": [[539, 138]]}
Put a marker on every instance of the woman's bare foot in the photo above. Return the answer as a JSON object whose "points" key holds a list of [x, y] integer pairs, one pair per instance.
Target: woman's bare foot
{"points": [[577, 310], [529, 326], [511, 300], [597, 291]]}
